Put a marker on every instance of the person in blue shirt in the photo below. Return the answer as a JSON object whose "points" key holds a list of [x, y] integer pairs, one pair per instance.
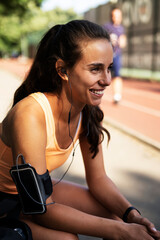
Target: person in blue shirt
{"points": [[118, 39]]}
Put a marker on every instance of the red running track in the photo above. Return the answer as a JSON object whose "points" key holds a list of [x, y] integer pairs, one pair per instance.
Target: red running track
{"points": [[139, 109]]}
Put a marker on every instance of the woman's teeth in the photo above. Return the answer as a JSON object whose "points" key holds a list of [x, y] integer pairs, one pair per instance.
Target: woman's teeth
{"points": [[98, 92]]}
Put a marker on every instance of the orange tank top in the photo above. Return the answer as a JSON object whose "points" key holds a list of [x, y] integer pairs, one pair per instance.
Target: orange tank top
{"points": [[55, 156]]}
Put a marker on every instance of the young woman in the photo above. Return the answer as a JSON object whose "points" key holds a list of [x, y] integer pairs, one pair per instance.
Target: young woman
{"points": [[57, 104]]}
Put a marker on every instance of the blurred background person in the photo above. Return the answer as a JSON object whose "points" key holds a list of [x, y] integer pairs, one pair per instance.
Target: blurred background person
{"points": [[118, 39]]}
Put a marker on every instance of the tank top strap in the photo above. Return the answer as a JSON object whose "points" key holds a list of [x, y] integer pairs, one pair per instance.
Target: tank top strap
{"points": [[44, 103]]}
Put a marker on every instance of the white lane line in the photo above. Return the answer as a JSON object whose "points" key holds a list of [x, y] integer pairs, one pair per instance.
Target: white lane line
{"points": [[137, 107], [154, 96], [140, 108]]}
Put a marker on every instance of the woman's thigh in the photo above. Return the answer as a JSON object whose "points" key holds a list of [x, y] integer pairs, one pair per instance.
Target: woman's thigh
{"points": [[79, 197]]}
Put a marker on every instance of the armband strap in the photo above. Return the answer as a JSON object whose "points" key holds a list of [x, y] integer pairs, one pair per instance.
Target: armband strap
{"points": [[47, 183], [33, 189], [125, 215]]}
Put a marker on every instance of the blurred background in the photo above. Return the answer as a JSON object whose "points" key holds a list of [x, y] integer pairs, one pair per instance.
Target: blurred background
{"points": [[23, 23], [132, 159]]}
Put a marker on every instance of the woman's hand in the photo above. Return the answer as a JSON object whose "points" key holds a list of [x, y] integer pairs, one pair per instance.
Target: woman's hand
{"points": [[136, 232], [138, 219]]}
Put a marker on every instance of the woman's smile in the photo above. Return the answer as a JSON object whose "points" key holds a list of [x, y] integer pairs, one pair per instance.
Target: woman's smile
{"points": [[97, 92]]}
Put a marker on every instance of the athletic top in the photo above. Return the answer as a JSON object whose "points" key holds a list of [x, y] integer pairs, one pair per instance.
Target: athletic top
{"points": [[115, 31], [55, 156]]}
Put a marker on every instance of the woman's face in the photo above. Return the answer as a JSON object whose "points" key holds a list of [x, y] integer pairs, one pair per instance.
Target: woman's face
{"points": [[92, 73]]}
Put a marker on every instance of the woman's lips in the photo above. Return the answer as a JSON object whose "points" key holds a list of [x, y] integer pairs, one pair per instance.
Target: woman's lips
{"points": [[97, 92]]}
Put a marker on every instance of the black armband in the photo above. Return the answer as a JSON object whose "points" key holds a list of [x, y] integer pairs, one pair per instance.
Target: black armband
{"points": [[33, 189], [125, 215]]}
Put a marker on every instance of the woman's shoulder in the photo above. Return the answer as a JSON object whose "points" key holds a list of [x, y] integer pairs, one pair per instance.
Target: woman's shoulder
{"points": [[27, 107], [25, 112]]}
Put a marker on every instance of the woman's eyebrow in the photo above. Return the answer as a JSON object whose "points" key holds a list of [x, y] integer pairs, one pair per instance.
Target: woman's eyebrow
{"points": [[96, 64]]}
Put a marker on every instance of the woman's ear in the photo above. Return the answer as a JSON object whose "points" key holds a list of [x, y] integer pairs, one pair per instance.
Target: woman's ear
{"points": [[61, 70]]}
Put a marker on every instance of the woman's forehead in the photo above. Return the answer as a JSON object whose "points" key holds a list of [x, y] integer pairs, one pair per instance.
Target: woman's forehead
{"points": [[90, 42], [99, 47], [98, 50]]}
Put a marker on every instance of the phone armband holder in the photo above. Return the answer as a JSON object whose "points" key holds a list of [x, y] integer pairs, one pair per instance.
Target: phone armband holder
{"points": [[33, 189]]}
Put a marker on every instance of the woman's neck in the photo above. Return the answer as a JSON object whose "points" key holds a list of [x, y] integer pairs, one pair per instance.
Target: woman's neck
{"points": [[66, 105], [62, 107]]}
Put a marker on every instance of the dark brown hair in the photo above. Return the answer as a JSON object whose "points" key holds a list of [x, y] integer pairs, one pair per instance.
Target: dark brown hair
{"points": [[64, 42]]}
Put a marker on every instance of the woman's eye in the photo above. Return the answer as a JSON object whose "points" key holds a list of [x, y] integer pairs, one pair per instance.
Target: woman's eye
{"points": [[110, 68], [95, 69]]}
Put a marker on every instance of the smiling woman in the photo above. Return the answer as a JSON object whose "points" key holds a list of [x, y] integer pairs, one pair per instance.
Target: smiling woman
{"points": [[62, 91]]}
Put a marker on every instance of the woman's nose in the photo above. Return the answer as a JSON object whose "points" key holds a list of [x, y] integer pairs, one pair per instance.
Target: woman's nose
{"points": [[106, 80]]}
